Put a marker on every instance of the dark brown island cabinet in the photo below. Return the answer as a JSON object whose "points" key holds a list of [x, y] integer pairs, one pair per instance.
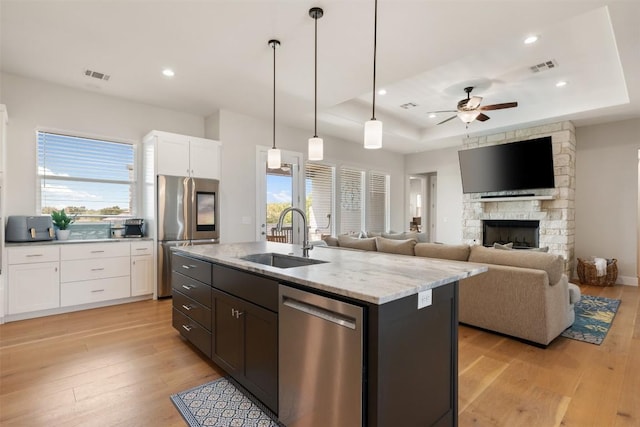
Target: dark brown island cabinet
{"points": [[409, 363]]}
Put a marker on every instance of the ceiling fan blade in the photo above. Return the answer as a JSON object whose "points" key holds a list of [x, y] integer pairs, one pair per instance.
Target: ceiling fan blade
{"points": [[499, 106], [473, 103], [446, 120], [482, 117]]}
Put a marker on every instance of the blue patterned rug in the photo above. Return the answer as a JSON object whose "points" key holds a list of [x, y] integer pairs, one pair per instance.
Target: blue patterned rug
{"points": [[594, 316], [221, 403]]}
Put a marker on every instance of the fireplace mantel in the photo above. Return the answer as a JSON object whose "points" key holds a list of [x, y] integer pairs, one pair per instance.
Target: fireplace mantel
{"points": [[512, 199]]}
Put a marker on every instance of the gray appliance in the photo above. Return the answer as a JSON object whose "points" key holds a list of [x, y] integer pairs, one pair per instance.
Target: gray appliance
{"points": [[187, 215], [320, 360], [25, 228]]}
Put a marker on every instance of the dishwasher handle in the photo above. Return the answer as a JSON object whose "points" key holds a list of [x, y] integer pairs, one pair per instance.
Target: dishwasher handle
{"points": [[322, 313]]}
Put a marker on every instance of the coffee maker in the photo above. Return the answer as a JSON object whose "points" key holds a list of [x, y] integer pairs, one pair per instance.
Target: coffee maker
{"points": [[133, 227]]}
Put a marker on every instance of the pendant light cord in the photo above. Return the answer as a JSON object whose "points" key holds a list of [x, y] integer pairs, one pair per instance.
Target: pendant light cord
{"points": [[315, 81], [274, 93], [375, 39]]}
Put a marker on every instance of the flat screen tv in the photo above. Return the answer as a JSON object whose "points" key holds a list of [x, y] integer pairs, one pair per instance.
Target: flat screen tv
{"points": [[523, 165]]}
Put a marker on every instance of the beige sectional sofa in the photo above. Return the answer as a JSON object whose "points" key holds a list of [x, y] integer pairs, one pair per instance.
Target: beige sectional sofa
{"points": [[524, 294]]}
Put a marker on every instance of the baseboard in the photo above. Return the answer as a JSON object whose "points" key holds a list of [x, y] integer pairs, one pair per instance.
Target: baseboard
{"points": [[621, 280], [627, 280]]}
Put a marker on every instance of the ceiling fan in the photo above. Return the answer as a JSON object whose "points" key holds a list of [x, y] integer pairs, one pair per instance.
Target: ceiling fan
{"points": [[469, 109]]}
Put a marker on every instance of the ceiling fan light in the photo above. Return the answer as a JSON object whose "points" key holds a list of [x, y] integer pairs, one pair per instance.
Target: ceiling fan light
{"points": [[468, 116], [274, 158], [373, 134], [315, 148]]}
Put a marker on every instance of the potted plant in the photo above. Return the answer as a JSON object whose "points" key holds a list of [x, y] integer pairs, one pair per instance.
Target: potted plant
{"points": [[62, 221]]}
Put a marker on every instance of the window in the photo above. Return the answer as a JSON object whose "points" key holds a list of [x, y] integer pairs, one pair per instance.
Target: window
{"points": [[351, 200], [92, 178], [319, 185], [378, 203]]}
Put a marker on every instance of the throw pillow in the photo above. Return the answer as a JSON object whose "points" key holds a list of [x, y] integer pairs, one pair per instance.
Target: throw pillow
{"points": [[396, 236], [506, 246], [442, 251], [395, 246], [331, 241], [366, 244]]}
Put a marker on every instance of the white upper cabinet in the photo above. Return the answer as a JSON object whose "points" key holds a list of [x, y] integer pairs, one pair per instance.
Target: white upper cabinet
{"points": [[181, 155]]}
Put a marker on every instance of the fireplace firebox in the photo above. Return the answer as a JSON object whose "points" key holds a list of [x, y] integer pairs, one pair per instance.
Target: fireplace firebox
{"points": [[522, 233]]}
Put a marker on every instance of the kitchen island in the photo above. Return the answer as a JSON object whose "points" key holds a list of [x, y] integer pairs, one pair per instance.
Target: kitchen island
{"points": [[403, 335]]}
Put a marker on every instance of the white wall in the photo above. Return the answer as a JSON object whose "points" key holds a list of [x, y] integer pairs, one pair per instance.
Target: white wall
{"points": [[607, 194], [34, 104], [240, 134], [449, 190]]}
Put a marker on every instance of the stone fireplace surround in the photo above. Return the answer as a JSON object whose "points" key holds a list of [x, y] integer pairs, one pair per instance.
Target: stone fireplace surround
{"points": [[554, 208]]}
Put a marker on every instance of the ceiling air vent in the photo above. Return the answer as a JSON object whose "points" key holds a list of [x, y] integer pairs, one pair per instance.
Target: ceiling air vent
{"points": [[543, 66], [97, 75], [409, 105]]}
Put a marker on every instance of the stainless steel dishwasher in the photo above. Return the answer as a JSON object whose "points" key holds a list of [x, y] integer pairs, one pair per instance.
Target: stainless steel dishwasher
{"points": [[320, 360]]}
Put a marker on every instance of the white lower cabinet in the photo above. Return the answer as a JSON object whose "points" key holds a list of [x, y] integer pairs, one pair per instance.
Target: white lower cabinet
{"points": [[142, 268], [33, 287], [75, 293], [56, 276], [33, 279], [94, 272]]}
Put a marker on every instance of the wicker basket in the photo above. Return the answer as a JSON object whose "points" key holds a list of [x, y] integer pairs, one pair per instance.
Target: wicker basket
{"points": [[588, 274]]}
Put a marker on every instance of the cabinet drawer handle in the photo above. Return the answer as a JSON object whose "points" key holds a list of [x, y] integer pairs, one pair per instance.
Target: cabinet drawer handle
{"points": [[34, 255], [188, 267], [97, 252], [187, 307], [187, 328], [97, 290], [187, 287], [142, 249], [97, 269]]}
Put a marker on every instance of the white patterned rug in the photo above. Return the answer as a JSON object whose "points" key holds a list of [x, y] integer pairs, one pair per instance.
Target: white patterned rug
{"points": [[220, 403]]}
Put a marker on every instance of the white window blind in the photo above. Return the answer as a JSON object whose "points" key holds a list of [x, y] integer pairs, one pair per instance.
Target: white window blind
{"points": [[90, 177], [377, 211], [351, 200], [319, 182]]}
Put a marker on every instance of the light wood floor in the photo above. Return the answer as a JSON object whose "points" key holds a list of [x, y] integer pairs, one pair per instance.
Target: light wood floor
{"points": [[117, 366]]}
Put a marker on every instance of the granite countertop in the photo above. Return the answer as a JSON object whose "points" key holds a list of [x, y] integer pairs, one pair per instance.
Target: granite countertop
{"points": [[68, 242], [373, 277]]}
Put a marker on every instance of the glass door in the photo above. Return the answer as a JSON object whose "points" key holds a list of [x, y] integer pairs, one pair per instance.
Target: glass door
{"points": [[277, 190]]}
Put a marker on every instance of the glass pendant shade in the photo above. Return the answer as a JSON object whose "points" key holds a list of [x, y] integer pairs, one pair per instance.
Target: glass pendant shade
{"points": [[315, 148], [273, 158], [373, 134], [468, 116]]}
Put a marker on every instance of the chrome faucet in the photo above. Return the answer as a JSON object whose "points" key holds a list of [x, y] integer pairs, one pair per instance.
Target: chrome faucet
{"points": [[306, 247]]}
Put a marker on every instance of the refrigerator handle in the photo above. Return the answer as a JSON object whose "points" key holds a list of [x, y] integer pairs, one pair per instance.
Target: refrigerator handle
{"points": [[185, 208]]}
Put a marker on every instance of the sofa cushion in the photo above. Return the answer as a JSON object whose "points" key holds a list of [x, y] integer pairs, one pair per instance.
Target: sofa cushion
{"points": [[395, 246], [367, 244], [442, 251], [330, 240], [552, 264]]}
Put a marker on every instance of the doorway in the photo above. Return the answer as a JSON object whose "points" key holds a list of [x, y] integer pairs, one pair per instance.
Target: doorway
{"points": [[422, 204], [278, 189]]}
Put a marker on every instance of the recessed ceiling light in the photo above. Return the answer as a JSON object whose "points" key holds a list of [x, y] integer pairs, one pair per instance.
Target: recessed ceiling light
{"points": [[561, 83], [168, 72], [432, 116], [531, 39], [382, 92]]}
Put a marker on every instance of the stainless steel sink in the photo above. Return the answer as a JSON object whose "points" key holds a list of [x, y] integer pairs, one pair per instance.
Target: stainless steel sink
{"points": [[280, 260]]}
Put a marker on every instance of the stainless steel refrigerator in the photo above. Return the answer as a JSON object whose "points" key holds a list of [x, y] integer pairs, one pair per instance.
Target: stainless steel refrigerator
{"points": [[187, 215]]}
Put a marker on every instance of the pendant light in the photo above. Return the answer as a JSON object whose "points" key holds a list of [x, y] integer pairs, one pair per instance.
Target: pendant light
{"points": [[315, 143], [273, 155], [373, 128]]}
